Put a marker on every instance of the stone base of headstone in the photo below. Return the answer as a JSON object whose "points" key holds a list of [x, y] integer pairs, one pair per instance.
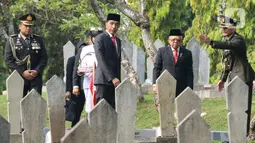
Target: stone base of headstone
{"points": [[15, 138], [147, 135], [208, 91], [220, 136], [146, 87], [166, 140], [4, 92]]}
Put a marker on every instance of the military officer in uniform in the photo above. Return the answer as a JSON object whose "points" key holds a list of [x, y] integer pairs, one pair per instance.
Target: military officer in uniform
{"points": [[234, 57], [25, 53]]}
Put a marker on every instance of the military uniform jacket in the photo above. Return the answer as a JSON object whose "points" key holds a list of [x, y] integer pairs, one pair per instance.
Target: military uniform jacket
{"points": [[36, 50], [239, 62], [108, 59]]}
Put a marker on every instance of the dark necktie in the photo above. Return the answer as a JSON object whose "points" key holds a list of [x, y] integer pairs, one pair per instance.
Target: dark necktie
{"points": [[27, 41]]}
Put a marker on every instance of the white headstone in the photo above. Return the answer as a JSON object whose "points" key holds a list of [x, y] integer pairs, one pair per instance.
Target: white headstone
{"points": [[204, 67], [237, 104], [127, 47], [14, 85], [166, 88], [4, 130], [150, 65], [193, 129], [237, 96], [126, 100], [194, 47], [103, 123], [33, 117], [56, 102], [139, 62], [158, 44], [80, 133], [141, 65], [186, 102], [69, 51]]}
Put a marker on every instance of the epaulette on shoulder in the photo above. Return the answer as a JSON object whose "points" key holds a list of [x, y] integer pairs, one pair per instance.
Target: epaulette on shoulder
{"points": [[36, 35], [14, 35]]}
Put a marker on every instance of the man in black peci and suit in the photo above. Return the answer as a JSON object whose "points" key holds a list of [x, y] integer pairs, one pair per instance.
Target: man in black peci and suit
{"points": [[108, 54], [176, 60]]}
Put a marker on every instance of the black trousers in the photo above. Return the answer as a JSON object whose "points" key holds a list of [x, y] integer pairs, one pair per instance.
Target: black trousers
{"points": [[248, 112], [106, 92], [79, 100], [36, 84]]}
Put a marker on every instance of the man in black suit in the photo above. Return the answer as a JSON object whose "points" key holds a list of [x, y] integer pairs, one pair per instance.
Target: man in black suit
{"points": [[176, 60], [234, 58], [108, 54], [25, 52]]}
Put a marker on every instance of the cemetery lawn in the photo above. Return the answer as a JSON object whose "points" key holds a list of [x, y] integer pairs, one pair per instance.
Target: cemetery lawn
{"points": [[147, 116]]}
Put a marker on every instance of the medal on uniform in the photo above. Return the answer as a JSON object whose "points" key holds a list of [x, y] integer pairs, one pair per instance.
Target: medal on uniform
{"points": [[35, 46], [36, 51]]}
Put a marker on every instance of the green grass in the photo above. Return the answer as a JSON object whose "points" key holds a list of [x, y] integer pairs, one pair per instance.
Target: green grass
{"points": [[147, 117]]}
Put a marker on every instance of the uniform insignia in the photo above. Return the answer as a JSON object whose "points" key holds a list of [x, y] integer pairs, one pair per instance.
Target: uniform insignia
{"points": [[36, 51], [14, 35], [18, 43], [35, 45], [29, 18], [222, 19]]}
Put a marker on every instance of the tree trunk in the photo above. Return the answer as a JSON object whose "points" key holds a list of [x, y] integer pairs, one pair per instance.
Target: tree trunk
{"points": [[252, 129], [5, 10]]}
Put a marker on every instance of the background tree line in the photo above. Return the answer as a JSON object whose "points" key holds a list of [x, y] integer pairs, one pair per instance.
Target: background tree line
{"points": [[63, 20]]}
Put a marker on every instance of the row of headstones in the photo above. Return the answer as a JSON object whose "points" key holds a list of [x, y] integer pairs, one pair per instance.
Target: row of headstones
{"points": [[29, 114], [136, 56], [197, 130], [191, 127], [101, 124]]}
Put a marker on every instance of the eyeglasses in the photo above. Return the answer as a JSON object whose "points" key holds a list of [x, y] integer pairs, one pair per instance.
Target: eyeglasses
{"points": [[178, 40]]}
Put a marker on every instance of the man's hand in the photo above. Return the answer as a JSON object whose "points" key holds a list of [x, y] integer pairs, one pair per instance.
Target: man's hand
{"points": [[27, 75], [205, 39], [33, 73], [154, 89], [68, 94], [116, 82], [76, 91], [220, 85]]}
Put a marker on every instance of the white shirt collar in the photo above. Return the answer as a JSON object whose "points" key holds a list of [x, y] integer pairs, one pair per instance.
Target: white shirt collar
{"points": [[24, 37], [177, 49], [109, 33]]}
